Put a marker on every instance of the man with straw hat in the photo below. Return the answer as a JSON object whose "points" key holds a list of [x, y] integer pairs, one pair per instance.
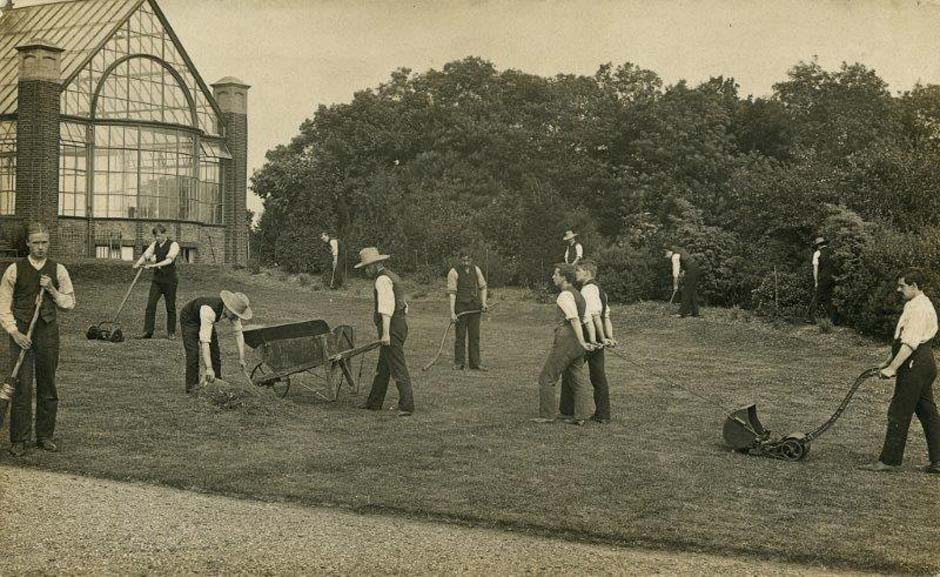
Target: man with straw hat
{"points": [[823, 281], [19, 288], [574, 251], [389, 316], [200, 339]]}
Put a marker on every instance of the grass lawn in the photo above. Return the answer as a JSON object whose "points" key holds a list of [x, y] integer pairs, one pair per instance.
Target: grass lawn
{"points": [[657, 476]]}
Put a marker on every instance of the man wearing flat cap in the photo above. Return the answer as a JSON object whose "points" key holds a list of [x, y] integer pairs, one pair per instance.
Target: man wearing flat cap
{"points": [[389, 316], [200, 338], [823, 281], [574, 252]]}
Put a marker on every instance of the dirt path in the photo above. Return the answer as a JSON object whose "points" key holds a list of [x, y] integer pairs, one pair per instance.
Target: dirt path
{"points": [[54, 524]]}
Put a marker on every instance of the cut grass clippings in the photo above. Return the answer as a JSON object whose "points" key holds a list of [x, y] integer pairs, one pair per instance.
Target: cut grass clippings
{"points": [[657, 476]]}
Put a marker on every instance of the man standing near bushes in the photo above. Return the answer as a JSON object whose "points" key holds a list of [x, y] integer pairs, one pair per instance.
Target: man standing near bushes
{"points": [[684, 266], [823, 281]]}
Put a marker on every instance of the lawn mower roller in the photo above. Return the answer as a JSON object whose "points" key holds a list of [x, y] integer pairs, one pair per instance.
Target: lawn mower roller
{"points": [[744, 432], [111, 330], [9, 385]]}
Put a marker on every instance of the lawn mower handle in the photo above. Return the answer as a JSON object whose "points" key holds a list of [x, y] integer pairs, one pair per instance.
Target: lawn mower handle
{"points": [[127, 295]]}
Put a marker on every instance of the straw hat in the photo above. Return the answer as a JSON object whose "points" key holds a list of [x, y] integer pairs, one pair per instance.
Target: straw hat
{"points": [[820, 241], [370, 255], [237, 303], [569, 235]]}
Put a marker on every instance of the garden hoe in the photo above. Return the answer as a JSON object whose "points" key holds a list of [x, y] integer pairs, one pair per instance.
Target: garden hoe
{"points": [[9, 385], [111, 330], [744, 432]]}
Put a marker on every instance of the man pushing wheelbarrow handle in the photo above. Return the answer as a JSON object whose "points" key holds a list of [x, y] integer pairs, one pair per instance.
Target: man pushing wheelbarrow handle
{"points": [[25, 342]]}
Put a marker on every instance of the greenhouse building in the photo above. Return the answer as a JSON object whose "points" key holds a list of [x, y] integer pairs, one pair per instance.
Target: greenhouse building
{"points": [[107, 128]]}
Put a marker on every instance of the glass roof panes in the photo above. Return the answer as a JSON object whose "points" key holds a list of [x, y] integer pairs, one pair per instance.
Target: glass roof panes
{"points": [[76, 27], [120, 28], [214, 148]]}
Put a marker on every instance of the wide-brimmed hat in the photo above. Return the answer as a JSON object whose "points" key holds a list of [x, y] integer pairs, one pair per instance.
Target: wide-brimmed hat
{"points": [[369, 255], [237, 303], [819, 241], [569, 235]]}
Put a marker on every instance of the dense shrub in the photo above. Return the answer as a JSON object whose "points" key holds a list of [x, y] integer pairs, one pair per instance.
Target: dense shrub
{"points": [[783, 295]]}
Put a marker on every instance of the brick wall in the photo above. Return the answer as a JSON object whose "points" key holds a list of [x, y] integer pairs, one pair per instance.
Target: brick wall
{"points": [[235, 180], [37, 155]]}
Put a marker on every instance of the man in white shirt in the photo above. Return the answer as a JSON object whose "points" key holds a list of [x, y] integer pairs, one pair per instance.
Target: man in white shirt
{"points": [[599, 332], [823, 281], [337, 273], [566, 359], [912, 362], [161, 257], [200, 339], [574, 251], [19, 289], [466, 290], [390, 318], [684, 266]]}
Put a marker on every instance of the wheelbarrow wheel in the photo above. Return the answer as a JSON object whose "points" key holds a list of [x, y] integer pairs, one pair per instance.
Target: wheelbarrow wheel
{"points": [[117, 336], [281, 387], [92, 332]]}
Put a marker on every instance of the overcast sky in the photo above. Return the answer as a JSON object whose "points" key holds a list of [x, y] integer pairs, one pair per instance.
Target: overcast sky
{"points": [[298, 54]]}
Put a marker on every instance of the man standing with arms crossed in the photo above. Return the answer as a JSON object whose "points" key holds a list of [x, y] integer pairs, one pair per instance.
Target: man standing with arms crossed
{"points": [[19, 288], [163, 252], [391, 324], [466, 289]]}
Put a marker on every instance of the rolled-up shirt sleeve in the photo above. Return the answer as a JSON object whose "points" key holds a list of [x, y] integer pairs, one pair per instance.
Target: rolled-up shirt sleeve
{"points": [[481, 280], [592, 302], [206, 320], [6, 299], [334, 247], [66, 297], [386, 292], [567, 304], [918, 322], [452, 282], [676, 264], [173, 252]]}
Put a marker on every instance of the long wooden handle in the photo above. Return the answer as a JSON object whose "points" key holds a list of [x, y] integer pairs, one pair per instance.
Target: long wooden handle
{"points": [[127, 294], [29, 334]]}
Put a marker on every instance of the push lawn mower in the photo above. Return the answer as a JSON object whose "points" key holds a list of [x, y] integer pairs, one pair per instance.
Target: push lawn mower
{"points": [[111, 330], [9, 385], [744, 432]]}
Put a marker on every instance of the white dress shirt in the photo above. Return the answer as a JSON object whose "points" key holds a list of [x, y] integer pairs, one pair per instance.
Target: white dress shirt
{"points": [[207, 319], [676, 264], [65, 301], [386, 291], [918, 322], [578, 253], [593, 307], [172, 254]]}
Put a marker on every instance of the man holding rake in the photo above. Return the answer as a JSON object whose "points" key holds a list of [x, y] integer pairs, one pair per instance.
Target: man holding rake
{"points": [[19, 289]]}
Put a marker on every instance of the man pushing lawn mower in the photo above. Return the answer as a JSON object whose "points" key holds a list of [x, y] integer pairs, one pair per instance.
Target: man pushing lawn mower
{"points": [[200, 339], [31, 291]]}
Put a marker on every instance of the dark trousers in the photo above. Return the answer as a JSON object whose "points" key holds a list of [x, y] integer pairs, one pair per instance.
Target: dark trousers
{"points": [[337, 275], [44, 357], [598, 374], [191, 346], [913, 394], [689, 290], [822, 296], [166, 289], [467, 325], [392, 365], [566, 360]]}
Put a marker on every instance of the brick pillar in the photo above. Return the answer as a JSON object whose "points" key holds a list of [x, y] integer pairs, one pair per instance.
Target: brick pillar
{"points": [[232, 97], [37, 136]]}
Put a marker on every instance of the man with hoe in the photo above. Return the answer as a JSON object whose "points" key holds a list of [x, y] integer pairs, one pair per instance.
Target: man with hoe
{"points": [[391, 324], [19, 288], [466, 290], [823, 281], [337, 272], [685, 266], [200, 337], [162, 252]]}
